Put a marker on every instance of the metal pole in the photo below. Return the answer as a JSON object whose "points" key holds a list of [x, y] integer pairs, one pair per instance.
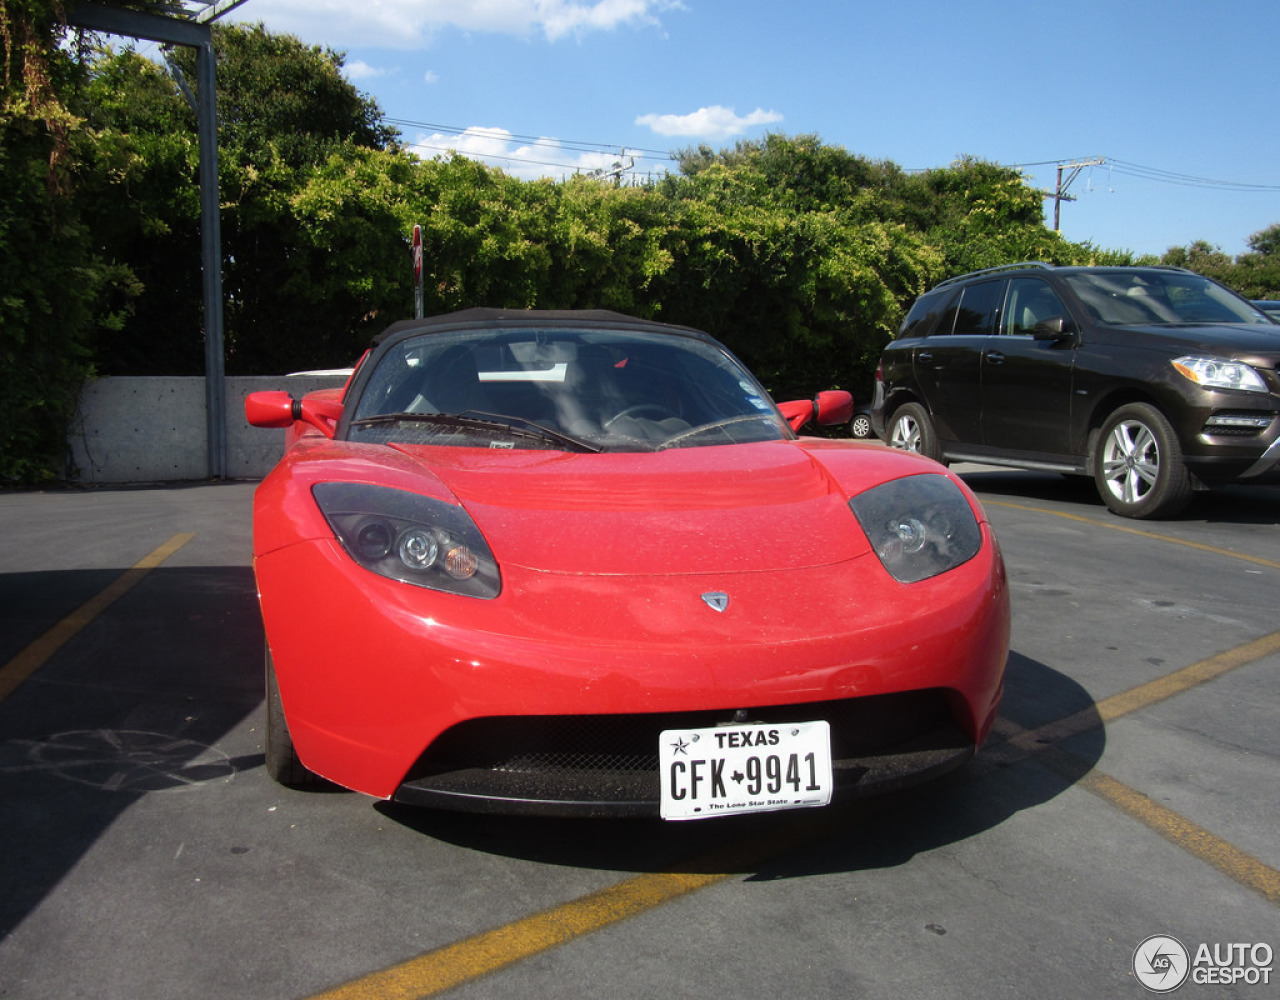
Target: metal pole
{"points": [[199, 36], [1057, 201], [211, 247], [417, 272]]}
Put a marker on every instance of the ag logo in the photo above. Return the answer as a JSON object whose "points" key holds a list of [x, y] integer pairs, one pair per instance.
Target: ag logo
{"points": [[1161, 964], [717, 600]]}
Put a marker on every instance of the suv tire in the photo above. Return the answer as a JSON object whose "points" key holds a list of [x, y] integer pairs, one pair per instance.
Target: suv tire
{"points": [[1138, 466], [911, 429]]}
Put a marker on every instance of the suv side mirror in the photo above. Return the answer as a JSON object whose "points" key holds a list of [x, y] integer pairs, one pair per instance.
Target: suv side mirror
{"points": [[1056, 328]]}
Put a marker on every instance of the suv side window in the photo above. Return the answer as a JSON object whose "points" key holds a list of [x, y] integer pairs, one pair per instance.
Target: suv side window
{"points": [[976, 311], [923, 315], [1031, 302]]}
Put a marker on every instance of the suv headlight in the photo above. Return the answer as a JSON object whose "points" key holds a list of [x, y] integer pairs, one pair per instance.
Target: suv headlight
{"points": [[411, 538], [919, 526], [1219, 373]]}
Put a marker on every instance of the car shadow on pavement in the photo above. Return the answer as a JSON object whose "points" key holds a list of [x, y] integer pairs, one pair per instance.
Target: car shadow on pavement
{"points": [[875, 832], [135, 703], [1236, 505], [1053, 487], [1232, 504]]}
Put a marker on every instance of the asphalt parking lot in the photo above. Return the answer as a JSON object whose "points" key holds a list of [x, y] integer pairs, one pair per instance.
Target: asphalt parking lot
{"points": [[1132, 789]]}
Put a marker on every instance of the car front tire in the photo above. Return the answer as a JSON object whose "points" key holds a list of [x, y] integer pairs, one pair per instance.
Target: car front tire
{"points": [[1138, 466], [282, 760], [911, 429], [860, 426]]}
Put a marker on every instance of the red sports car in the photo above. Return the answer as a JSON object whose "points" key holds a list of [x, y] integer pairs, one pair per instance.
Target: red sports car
{"points": [[575, 563]]}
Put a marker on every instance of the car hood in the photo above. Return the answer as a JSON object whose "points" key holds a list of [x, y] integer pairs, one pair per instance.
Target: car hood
{"points": [[737, 508], [1255, 344]]}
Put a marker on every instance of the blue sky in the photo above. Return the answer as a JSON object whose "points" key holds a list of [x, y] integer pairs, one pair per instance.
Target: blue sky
{"points": [[1180, 98]]}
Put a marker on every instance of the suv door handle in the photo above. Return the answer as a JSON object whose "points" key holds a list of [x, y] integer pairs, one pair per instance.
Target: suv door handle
{"points": [[925, 357], [995, 357]]}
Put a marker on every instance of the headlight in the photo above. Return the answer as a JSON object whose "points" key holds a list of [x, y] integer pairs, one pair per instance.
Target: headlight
{"points": [[1219, 373], [919, 526], [410, 538]]}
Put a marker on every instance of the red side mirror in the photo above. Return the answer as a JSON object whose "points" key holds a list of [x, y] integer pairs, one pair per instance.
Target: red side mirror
{"points": [[798, 412], [834, 406], [276, 408], [269, 409]]}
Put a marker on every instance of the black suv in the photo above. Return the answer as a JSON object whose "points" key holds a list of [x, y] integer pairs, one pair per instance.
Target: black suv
{"points": [[1154, 381]]}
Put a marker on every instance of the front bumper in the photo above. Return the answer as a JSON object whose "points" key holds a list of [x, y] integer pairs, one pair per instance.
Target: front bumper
{"points": [[1267, 467], [385, 686]]}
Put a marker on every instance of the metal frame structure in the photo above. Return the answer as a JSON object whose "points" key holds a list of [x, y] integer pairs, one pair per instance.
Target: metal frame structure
{"points": [[187, 23]]}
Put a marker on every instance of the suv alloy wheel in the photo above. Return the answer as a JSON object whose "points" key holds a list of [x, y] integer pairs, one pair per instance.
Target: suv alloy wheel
{"points": [[1138, 464], [911, 430]]}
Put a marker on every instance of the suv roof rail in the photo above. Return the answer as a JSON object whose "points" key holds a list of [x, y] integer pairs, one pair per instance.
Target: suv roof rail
{"points": [[1023, 265]]}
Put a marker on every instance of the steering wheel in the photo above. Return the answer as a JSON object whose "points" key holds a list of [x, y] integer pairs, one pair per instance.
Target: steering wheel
{"points": [[656, 408]]}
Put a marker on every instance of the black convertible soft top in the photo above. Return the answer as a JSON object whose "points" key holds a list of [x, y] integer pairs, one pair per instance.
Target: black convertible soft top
{"points": [[481, 317]]}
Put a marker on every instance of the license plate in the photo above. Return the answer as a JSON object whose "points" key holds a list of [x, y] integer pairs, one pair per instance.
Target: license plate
{"points": [[755, 767]]}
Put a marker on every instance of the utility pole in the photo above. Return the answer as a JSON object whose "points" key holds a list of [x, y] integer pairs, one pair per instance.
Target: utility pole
{"points": [[618, 169], [1060, 192]]}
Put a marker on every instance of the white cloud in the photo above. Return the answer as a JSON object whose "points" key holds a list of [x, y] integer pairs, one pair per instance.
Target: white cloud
{"points": [[430, 76], [528, 160], [715, 122], [360, 70], [411, 23]]}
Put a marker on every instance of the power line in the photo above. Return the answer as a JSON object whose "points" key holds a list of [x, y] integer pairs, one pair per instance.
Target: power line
{"points": [[1156, 174], [630, 153], [1184, 180], [576, 144], [509, 158]]}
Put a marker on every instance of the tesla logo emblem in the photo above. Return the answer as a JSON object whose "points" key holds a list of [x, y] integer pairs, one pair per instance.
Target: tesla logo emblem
{"points": [[716, 600]]}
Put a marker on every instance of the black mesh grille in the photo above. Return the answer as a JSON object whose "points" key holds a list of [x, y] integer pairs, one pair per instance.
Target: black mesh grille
{"points": [[628, 743]]}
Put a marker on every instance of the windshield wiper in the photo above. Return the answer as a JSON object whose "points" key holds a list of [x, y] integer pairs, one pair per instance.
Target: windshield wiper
{"points": [[475, 419]]}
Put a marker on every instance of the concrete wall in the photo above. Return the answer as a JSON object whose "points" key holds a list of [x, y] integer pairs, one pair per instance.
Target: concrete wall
{"points": [[144, 430]]}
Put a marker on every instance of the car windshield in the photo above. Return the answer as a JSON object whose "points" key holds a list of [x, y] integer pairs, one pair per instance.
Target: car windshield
{"points": [[568, 389], [1159, 298]]}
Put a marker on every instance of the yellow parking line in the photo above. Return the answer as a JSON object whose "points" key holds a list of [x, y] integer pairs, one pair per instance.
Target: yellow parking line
{"points": [[482, 954], [1118, 705], [1236, 864], [1043, 743], [37, 654], [1188, 677], [1129, 530], [437, 971], [434, 972], [471, 958]]}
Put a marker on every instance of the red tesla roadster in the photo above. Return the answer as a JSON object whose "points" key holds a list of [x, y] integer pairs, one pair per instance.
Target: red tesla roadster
{"points": [[575, 563]]}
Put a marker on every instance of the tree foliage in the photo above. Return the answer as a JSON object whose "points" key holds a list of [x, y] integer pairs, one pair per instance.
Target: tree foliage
{"points": [[55, 290], [801, 256], [1254, 274], [293, 135]]}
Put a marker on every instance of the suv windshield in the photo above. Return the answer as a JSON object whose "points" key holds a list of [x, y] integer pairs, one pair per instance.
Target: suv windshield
{"points": [[1159, 298], [567, 389]]}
